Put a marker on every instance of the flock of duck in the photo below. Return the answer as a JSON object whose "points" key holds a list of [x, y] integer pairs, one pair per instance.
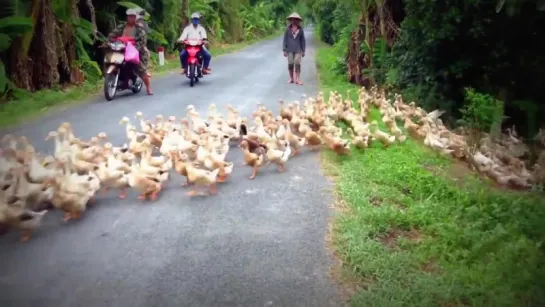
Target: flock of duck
{"points": [[195, 148]]}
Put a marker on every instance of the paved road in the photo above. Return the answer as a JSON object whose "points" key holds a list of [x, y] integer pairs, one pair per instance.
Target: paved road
{"points": [[257, 243]]}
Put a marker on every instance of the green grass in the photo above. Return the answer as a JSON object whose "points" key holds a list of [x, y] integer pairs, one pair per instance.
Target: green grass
{"points": [[38, 103], [421, 230]]}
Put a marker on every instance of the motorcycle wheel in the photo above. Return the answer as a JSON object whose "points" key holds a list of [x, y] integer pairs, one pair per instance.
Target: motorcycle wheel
{"points": [[192, 75], [137, 87], [110, 86]]}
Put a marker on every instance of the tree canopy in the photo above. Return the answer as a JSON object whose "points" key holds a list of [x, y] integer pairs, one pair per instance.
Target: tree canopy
{"points": [[437, 52]]}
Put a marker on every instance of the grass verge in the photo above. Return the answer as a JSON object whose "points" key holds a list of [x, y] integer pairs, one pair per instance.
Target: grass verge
{"points": [[38, 103], [418, 229]]}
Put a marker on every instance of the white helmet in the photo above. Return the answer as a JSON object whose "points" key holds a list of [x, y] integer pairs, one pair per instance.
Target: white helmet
{"points": [[195, 15], [133, 12]]}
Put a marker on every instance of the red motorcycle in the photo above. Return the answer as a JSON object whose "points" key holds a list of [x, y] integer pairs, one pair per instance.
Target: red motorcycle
{"points": [[194, 60], [119, 74]]}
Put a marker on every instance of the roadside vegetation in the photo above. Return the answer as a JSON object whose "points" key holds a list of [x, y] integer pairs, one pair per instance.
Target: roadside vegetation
{"points": [[413, 227], [417, 229], [50, 55]]}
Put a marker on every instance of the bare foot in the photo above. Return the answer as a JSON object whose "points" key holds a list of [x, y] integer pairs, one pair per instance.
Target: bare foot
{"points": [[290, 81]]}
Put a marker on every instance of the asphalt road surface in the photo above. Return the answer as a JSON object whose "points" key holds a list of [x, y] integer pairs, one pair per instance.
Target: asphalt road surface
{"points": [[256, 243]]}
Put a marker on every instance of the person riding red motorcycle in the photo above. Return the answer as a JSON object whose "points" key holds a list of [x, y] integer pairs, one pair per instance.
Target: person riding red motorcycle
{"points": [[194, 31]]}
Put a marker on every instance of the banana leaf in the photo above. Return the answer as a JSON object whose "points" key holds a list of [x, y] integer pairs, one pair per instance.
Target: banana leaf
{"points": [[15, 25]]}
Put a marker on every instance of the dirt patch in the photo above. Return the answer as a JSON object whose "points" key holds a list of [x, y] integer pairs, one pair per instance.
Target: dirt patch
{"points": [[457, 171], [430, 266], [406, 190], [390, 237], [376, 201], [339, 205]]}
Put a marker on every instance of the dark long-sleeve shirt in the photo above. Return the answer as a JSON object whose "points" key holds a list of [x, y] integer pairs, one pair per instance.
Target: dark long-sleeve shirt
{"points": [[294, 42]]}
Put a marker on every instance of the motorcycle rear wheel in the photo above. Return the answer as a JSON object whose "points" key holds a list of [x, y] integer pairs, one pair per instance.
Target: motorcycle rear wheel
{"points": [[137, 87], [110, 86]]}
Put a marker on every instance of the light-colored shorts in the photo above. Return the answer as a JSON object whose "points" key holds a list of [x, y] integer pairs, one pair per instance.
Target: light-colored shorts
{"points": [[294, 58]]}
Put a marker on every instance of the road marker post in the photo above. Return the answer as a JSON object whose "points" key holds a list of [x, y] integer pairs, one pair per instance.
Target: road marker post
{"points": [[161, 53]]}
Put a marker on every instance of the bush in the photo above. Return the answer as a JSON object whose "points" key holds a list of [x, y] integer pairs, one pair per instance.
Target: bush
{"points": [[481, 113]]}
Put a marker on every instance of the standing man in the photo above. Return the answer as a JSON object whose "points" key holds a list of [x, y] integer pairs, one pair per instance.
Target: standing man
{"points": [[294, 46]]}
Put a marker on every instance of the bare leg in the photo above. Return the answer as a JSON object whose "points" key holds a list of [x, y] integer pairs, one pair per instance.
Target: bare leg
{"points": [[147, 82], [298, 78], [290, 69], [298, 74]]}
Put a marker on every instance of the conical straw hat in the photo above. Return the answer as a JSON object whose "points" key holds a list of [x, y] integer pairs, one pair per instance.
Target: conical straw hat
{"points": [[294, 15]]}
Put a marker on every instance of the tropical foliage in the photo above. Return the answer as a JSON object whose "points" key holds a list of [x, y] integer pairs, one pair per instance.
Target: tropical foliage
{"points": [[52, 43], [434, 50]]}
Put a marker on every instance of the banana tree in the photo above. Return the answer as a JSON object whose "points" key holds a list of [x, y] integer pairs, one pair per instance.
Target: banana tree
{"points": [[257, 20], [210, 16], [10, 29]]}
